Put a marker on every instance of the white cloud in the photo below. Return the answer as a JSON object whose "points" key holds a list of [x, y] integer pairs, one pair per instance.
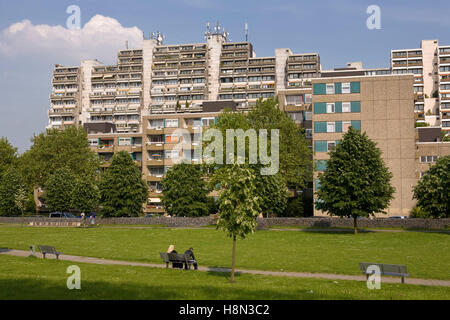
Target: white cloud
{"points": [[100, 38]]}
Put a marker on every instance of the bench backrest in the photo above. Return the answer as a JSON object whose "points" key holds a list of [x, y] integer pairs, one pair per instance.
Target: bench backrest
{"points": [[47, 249], [177, 257], [384, 268], [164, 256]]}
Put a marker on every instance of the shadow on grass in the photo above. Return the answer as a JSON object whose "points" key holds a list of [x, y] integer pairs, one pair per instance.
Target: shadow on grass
{"points": [[31, 289], [321, 229]]}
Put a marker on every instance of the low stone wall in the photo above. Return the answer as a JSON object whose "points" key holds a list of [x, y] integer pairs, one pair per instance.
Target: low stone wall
{"points": [[312, 222], [362, 223]]}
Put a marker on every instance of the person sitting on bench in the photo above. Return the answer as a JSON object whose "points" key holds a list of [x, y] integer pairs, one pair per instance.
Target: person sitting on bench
{"points": [[172, 250], [190, 252]]}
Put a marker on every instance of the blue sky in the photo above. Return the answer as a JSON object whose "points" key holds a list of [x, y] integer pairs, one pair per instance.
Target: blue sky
{"points": [[335, 29]]}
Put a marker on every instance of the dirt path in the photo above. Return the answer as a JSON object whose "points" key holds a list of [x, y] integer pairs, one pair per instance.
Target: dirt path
{"points": [[415, 281]]}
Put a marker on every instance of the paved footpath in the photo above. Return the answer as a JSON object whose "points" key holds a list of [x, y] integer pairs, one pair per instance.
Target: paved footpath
{"points": [[415, 281]]}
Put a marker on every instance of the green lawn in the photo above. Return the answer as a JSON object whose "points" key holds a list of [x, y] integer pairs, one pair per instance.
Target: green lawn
{"points": [[31, 278], [426, 255]]}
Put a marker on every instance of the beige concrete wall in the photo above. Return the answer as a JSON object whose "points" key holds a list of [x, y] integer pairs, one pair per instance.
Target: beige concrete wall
{"points": [[387, 116], [439, 149]]}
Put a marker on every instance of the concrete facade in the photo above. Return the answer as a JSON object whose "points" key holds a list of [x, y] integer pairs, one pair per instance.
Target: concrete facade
{"points": [[386, 115]]}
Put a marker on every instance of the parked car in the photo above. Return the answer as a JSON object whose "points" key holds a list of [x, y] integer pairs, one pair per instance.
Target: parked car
{"points": [[61, 215], [148, 215], [397, 217]]}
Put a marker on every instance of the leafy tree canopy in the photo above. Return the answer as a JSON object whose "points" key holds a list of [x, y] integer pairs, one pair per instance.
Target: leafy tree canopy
{"points": [[10, 184], [8, 155], [122, 190], [185, 191], [57, 149], [433, 189], [356, 182], [59, 189]]}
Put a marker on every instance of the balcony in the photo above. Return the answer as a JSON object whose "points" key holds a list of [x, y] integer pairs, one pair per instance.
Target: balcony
{"points": [[399, 64], [444, 60], [414, 64], [155, 145]]}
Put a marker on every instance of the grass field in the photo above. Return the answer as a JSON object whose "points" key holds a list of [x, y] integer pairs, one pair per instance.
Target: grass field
{"points": [[426, 255], [32, 278]]}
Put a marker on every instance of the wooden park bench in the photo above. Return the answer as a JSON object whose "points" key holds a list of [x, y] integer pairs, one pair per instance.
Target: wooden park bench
{"points": [[48, 249], [165, 257], [385, 269], [176, 258]]}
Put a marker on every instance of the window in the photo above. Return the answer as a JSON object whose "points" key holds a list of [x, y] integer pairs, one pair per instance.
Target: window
{"points": [[331, 145], [293, 100], [346, 87], [308, 133], [171, 154], [331, 127], [330, 108], [171, 138], [330, 88], [308, 115], [296, 116], [206, 122], [346, 106], [124, 141], [308, 98], [428, 159], [156, 123], [171, 123]]}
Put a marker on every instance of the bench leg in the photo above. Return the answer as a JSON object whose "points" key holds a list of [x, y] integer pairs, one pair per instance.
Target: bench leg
{"points": [[43, 255], [403, 279], [57, 256]]}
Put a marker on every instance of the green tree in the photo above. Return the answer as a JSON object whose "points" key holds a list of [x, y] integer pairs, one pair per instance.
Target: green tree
{"points": [[271, 191], [59, 189], [10, 183], [433, 189], [185, 191], [8, 155], [356, 182], [85, 195], [56, 149], [295, 156], [295, 207], [21, 200], [122, 190], [238, 204]]}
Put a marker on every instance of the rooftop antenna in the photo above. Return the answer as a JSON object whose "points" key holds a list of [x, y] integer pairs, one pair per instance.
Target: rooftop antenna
{"points": [[126, 44], [225, 34], [159, 38], [208, 31], [246, 32], [217, 28]]}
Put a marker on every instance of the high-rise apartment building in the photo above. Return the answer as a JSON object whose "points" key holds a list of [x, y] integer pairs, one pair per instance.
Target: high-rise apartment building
{"points": [[430, 65], [380, 106], [138, 104]]}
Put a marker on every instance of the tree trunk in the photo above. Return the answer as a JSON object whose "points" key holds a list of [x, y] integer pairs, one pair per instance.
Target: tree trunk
{"points": [[233, 259], [355, 228]]}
